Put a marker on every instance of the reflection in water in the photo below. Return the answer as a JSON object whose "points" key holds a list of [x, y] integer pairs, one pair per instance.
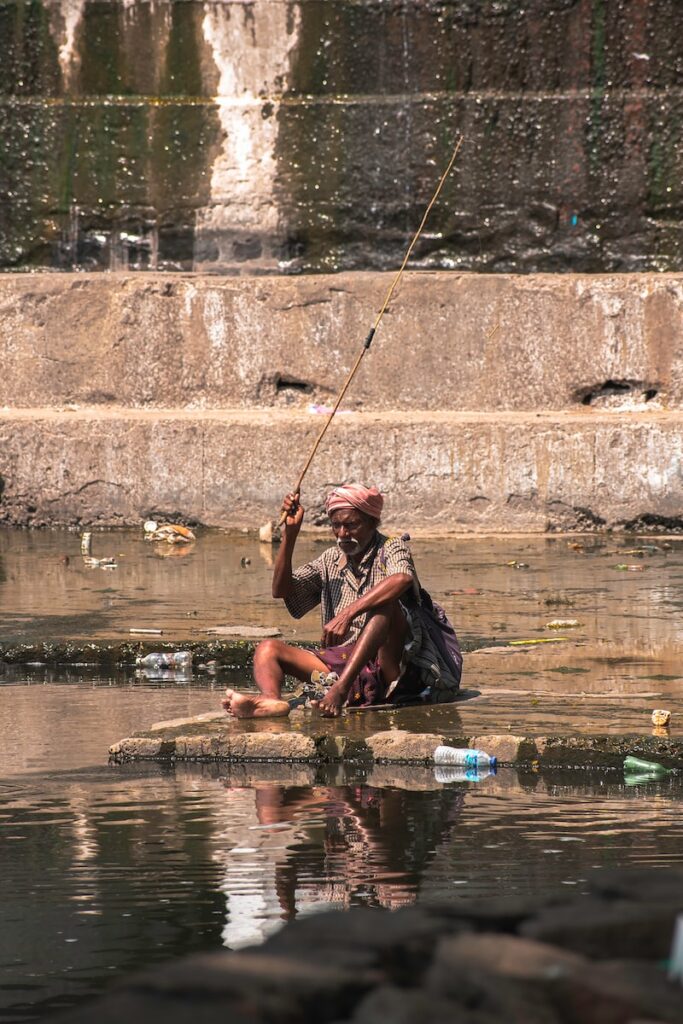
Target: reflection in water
{"points": [[346, 846], [104, 871]]}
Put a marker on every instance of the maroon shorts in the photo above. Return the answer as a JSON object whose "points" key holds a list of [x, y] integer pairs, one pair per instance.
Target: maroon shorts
{"points": [[368, 687]]}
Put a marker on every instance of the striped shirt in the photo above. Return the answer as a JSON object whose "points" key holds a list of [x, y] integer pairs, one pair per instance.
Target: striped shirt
{"points": [[332, 581]]}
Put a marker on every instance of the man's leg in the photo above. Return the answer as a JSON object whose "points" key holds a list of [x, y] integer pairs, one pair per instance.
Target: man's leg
{"points": [[383, 638], [273, 660]]}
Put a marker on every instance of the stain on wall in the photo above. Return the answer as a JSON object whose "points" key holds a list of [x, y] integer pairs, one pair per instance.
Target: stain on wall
{"points": [[307, 135]]}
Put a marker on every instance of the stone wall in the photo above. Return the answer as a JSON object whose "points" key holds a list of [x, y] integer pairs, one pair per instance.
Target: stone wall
{"points": [[486, 403], [287, 135]]}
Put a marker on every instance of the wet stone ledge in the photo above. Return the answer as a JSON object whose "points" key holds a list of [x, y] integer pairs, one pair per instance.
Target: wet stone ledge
{"points": [[203, 739], [598, 958], [106, 654]]}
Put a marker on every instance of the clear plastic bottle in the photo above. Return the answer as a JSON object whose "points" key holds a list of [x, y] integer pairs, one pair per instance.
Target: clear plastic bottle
{"points": [[445, 773], [464, 757], [166, 659]]}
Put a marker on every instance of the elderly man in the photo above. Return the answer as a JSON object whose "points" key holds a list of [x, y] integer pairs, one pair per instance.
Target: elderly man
{"points": [[383, 641]]}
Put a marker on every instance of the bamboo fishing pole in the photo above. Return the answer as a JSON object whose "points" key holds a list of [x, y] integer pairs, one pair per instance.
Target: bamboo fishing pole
{"points": [[373, 329]]}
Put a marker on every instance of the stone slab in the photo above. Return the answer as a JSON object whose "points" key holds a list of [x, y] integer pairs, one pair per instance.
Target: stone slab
{"points": [[213, 742], [441, 472]]}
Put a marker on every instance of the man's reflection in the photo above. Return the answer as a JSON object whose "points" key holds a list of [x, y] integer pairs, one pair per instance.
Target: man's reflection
{"points": [[345, 846]]}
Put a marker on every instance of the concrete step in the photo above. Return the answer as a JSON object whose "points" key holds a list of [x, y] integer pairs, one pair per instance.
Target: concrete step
{"points": [[440, 471], [449, 341]]}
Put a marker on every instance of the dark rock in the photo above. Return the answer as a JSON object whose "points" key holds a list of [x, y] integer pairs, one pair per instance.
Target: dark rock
{"points": [[619, 991], [502, 914], [237, 987], [606, 931], [513, 977], [390, 1005], [399, 944]]}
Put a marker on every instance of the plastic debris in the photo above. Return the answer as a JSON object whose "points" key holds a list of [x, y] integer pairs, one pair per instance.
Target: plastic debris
{"points": [[244, 562], [182, 676], [661, 718], [264, 632], [623, 567], [165, 659], [171, 533], [635, 766], [539, 640], [150, 632], [94, 563], [445, 773], [100, 563], [514, 564], [464, 757], [563, 624]]}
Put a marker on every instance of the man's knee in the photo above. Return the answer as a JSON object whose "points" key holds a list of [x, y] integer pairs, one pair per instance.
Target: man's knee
{"points": [[269, 650], [381, 619]]}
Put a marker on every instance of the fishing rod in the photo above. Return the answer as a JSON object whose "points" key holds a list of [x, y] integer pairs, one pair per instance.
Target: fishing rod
{"points": [[373, 329]]}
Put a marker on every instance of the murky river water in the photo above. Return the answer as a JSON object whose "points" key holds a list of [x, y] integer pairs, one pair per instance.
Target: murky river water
{"points": [[104, 870]]}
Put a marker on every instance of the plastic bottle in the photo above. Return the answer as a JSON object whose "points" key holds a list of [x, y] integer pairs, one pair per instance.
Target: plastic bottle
{"points": [[445, 773], [164, 675], [635, 766], [464, 757], [166, 659]]}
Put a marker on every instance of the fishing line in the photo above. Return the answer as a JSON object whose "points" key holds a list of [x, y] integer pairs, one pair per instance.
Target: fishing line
{"points": [[373, 329]]}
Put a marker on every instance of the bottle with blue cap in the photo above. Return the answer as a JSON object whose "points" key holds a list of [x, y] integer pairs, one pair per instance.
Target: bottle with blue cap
{"points": [[465, 757]]}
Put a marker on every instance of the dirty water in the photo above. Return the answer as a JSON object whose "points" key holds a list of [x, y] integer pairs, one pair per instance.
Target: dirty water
{"points": [[622, 589], [104, 870]]}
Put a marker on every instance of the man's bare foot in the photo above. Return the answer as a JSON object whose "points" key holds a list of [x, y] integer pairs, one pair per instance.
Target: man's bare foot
{"points": [[248, 705], [330, 706]]}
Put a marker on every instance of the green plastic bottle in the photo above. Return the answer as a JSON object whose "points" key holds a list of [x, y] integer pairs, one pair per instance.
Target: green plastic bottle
{"points": [[635, 765]]}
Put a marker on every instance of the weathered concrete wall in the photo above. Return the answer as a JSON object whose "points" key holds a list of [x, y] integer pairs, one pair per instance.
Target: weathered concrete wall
{"points": [[440, 471], [450, 342], [486, 402], [309, 134]]}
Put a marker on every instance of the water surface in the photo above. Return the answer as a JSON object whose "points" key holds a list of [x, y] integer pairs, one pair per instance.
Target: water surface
{"points": [[106, 869]]}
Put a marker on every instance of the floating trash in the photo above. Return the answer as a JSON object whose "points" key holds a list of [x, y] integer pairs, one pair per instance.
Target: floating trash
{"points": [[100, 563], [171, 533], [661, 718], [538, 640], [445, 773], [635, 766], [623, 567], [563, 624]]}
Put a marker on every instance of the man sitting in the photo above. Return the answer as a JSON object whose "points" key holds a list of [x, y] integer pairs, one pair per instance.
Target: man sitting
{"points": [[382, 641]]}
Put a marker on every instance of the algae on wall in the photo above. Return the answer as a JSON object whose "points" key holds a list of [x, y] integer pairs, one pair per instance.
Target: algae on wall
{"points": [[107, 140], [309, 134]]}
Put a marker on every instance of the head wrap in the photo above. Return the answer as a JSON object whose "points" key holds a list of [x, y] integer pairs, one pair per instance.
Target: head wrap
{"points": [[366, 499]]}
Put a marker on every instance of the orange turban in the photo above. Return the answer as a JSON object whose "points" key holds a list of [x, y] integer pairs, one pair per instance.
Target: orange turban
{"points": [[365, 499]]}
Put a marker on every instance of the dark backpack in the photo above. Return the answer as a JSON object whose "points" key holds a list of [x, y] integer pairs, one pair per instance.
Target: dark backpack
{"points": [[436, 622]]}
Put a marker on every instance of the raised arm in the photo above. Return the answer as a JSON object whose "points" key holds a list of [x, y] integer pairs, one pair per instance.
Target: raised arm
{"points": [[282, 572]]}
